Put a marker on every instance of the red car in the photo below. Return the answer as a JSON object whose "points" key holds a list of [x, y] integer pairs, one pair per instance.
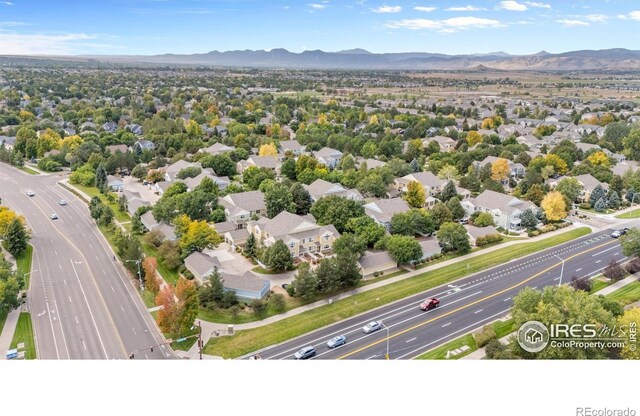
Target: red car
{"points": [[429, 304]]}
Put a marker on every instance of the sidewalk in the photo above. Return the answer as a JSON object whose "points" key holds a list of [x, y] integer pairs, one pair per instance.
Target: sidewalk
{"points": [[209, 327], [7, 332]]}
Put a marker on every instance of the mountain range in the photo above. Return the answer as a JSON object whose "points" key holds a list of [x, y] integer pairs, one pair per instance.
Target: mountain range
{"points": [[354, 59]]}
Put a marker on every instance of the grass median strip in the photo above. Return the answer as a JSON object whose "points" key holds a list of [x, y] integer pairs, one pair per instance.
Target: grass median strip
{"points": [[23, 264], [628, 215], [628, 294], [251, 340]]}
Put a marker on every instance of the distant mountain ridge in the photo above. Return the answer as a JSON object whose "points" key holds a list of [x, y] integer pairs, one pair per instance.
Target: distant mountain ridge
{"points": [[607, 59]]}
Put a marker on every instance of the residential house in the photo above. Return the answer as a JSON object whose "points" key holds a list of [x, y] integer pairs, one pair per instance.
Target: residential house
{"points": [[301, 234], [321, 188], [328, 156], [373, 262], [447, 144], [150, 223], [431, 183], [171, 171], [240, 207], [236, 238], [505, 209], [515, 169], [383, 210], [143, 144], [477, 232], [619, 169], [266, 162], [246, 286], [221, 181], [110, 127], [202, 266], [122, 148], [430, 247], [218, 149], [7, 142], [589, 183], [134, 128], [291, 146], [114, 183]]}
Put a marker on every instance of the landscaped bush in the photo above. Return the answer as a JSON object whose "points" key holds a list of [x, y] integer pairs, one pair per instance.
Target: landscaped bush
{"points": [[500, 229], [562, 225], [258, 306], [494, 349], [547, 228], [485, 336], [534, 233], [277, 302], [581, 283], [585, 205], [633, 266], [488, 239], [376, 274]]}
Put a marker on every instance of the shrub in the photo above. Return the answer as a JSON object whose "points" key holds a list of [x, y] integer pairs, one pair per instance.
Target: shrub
{"points": [[613, 271], [547, 228], [154, 238], [633, 266], [500, 229], [488, 239], [585, 205], [291, 290], [581, 283], [376, 274], [533, 233], [277, 302], [494, 349], [487, 334], [258, 306]]}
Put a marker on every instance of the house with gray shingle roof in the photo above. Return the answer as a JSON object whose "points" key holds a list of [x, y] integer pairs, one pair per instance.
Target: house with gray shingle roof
{"points": [[240, 207], [383, 210], [218, 149], [505, 209], [201, 265], [321, 188], [266, 162], [373, 262], [246, 285], [328, 156], [301, 234], [431, 183]]}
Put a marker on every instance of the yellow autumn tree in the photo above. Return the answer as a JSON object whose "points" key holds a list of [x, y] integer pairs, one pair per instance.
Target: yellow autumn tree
{"points": [[373, 119], [416, 195], [322, 119], [71, 143], [6, 217], [474, 138], [268, 149], [599, 158], [554, 206], [500, 170], [488, 123]]}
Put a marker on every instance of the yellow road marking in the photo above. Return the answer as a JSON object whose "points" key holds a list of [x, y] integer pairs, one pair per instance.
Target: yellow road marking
{"points": [[474, 302]]}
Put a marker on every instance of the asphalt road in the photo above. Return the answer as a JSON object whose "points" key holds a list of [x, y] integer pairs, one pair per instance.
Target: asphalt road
{"points": [[83, 303], [465, 305]]}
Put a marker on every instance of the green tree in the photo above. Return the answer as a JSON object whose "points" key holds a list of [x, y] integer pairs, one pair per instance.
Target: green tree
{"points": [[336, 210], [278, 198], [250, 246], [597, 193], [188, 304], [569, 187], [559, 304], [453, 237], [449, 191], [631, 242], [16, 237], [528, 219], [197, 237], [483, 220], [301, 199], [288, 168], [101, 177], [366, 229], [456, 209], [278, 256], [613, 201], [350, 243], [441, 214], [403, 249], [305, 282], [253, 176]]}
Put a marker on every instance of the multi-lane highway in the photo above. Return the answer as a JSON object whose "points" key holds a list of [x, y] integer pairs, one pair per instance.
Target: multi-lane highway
{"points": [[465, 305], [82, 302]]}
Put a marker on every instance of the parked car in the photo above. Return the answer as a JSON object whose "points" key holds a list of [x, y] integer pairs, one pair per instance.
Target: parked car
{"points": [[336, 341], [284, 286], [429, 304], [30, 193], [464, 221], [62, 202], [304, 353], [54, 216], [372, 327], [618, 233]]}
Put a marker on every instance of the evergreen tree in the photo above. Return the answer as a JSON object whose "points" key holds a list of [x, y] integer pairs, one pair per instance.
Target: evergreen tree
{"points": [[16, 237], [101, 177], [600, 205], [613, 201], [448, 192], [454, 205], [301, 198], [597, 194], [528, 219], [250, 246], [415, 166]]}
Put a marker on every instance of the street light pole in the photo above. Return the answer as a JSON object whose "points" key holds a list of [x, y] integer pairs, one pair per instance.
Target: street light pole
{"points": [[561, 269], [387, 328], [137, 262], [632, 199]]}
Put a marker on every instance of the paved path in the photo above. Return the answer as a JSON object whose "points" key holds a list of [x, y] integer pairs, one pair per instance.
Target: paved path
{"points": [[208, 328], [7, 332]]}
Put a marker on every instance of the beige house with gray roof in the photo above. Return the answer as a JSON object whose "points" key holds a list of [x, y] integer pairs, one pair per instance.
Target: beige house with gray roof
{"points": [[321, 188], [301, 234], [240, 207], [383, 210], [505, 209]]}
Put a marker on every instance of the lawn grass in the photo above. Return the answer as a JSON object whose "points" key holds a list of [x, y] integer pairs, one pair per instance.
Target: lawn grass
{"points": [[29, 170], [93, 191], [598, 284], [383, 277], [628, 215], [628, 294], [250, 340], [3, 318], [225, 316], [261, 270], [24, 333], [169, 275], [149, 299], [23, 264], [504, 328], [187, 343], [440, 353]]}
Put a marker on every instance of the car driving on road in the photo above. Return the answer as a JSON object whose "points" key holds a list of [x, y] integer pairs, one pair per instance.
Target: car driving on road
{"points": [[336, 341], [54, 216], [619, 233], [30, 193], [429, 304], [62, 202], [304, 353], [372, 327]]}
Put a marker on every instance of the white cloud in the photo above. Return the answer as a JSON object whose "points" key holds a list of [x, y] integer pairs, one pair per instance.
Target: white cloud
{"points": [[572, 23], [465, 9], [425, 9], [7, 3], [635, 15], [596, 17], [38, 44], [536, 4], [447, 25], [514, 6], [388, 9], [317, 6]]}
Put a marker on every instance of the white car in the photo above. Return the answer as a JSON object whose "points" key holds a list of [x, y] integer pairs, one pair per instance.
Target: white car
{"points": [[54, 216], [62, 202], [30, 193], [372, 327], [336, 341]]}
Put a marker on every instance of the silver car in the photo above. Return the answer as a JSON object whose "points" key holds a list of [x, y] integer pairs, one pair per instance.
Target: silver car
{"points": [[30, 193], [372, 327], [336, 341], [304, 353]]}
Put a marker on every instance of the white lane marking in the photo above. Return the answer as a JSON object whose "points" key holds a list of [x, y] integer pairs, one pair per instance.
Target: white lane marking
{"points": [[373, 356], [65, 281], [358, 328], [113, 290], [579, 269], [121, 307], [598, 261], [77, 320], [134, 331], [84, 295], [453, 333], [604, 251], [84, 345], [412, 339], [70, 301], [60, 266], [447, 324], [507, 299], [557, 278], [478, 311]]}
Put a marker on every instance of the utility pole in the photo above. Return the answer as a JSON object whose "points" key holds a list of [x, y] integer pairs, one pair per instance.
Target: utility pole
{"points": [[137, 262], [200, 338]]}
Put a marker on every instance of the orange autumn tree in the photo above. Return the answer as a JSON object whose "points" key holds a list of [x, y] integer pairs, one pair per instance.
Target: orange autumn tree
{"points": [[167, 318], [150, 266]]}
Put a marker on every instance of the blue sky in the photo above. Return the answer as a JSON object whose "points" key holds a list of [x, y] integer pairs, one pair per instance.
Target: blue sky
{"points": [[198, 26]]}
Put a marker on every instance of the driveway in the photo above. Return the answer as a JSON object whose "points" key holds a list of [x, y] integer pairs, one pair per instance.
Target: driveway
{"points": [[146, 192]]}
